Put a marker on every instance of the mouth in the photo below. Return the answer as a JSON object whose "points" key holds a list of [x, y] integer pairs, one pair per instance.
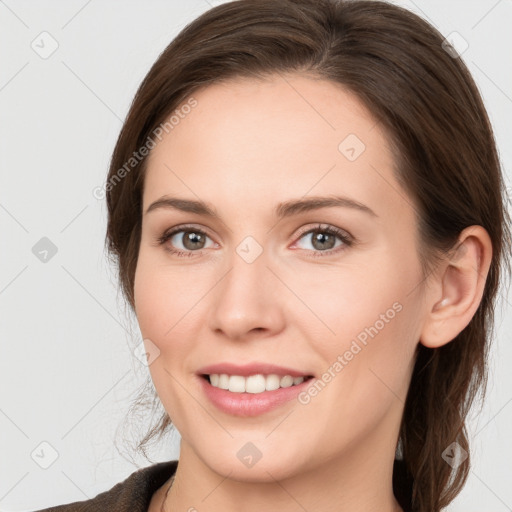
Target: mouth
{"points": [[252, 395], [254, 384]]}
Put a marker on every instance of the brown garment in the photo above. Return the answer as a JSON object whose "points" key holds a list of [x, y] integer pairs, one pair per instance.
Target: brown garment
{"points": [[135, 492], [131, 495]]}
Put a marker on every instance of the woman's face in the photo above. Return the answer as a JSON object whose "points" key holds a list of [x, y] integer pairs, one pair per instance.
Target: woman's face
{"points": [[260, 283]]}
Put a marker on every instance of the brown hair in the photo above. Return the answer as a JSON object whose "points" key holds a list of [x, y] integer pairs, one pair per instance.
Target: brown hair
{"points": [[446, 159]]}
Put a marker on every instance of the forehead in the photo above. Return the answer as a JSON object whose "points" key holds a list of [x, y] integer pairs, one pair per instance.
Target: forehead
{"points": [[284, 136], [242, 112]]}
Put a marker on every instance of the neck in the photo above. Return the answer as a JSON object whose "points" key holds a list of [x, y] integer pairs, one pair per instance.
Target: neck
{"points": [[355, 482]]}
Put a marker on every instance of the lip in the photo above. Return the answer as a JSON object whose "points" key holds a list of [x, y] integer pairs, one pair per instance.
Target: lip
{"points": [[251, 369], [249, 404]]}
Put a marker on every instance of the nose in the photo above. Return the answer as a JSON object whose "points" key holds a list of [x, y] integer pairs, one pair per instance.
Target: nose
{"points": [[247, 302]]}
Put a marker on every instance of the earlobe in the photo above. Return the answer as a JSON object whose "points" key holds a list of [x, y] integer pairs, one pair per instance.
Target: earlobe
{"points": [[460, 287]]}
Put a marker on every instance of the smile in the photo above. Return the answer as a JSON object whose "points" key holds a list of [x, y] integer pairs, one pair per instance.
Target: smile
{"points": [[244, 402], [254, 383]]}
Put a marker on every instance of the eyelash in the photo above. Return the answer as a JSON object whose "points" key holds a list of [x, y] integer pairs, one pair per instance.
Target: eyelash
{"points": [[331, 230]]}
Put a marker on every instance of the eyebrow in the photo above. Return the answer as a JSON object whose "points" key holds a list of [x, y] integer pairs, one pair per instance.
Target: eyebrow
{"points": [[282, 210]]}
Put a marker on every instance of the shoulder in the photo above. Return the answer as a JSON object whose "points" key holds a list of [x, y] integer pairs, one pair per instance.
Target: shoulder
{"points": [[131, 495]]}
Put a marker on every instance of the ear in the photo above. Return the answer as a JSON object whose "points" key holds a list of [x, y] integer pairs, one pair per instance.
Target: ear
{"points": [[458, 288]]}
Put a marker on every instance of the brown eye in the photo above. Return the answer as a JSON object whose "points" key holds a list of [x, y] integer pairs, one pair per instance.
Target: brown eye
{"points": [[192, 240], [323, 240], [184, 241]]}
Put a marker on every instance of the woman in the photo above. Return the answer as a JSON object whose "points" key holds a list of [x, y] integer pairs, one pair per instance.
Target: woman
{"points": [[307, 211]]}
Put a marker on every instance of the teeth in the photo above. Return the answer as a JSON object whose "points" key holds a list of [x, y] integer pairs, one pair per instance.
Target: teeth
{"points": [[254, 383]]}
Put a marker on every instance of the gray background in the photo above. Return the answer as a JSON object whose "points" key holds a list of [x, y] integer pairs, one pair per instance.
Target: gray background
{"points": [[67, 371]]}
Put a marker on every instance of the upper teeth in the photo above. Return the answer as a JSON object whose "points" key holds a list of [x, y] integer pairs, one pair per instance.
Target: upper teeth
{"points": [[254, 383]]}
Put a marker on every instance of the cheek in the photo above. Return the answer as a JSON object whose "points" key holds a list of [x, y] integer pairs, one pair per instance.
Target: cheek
{"points": [[169, 302], [366, 315], [339, 304], [156, 301], [160, 291], [148, 295], [161, 310]]}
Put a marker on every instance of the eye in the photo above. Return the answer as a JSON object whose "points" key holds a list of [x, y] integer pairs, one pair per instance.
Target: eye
{"points": [[191, 239], [188, 241], [323, 240]]}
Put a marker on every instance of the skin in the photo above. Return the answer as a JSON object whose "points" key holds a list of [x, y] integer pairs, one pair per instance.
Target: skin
{"points": [[247, 146]]}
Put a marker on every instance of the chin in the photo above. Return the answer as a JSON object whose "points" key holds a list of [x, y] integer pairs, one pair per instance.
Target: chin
{"points": [[260, 461]]}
